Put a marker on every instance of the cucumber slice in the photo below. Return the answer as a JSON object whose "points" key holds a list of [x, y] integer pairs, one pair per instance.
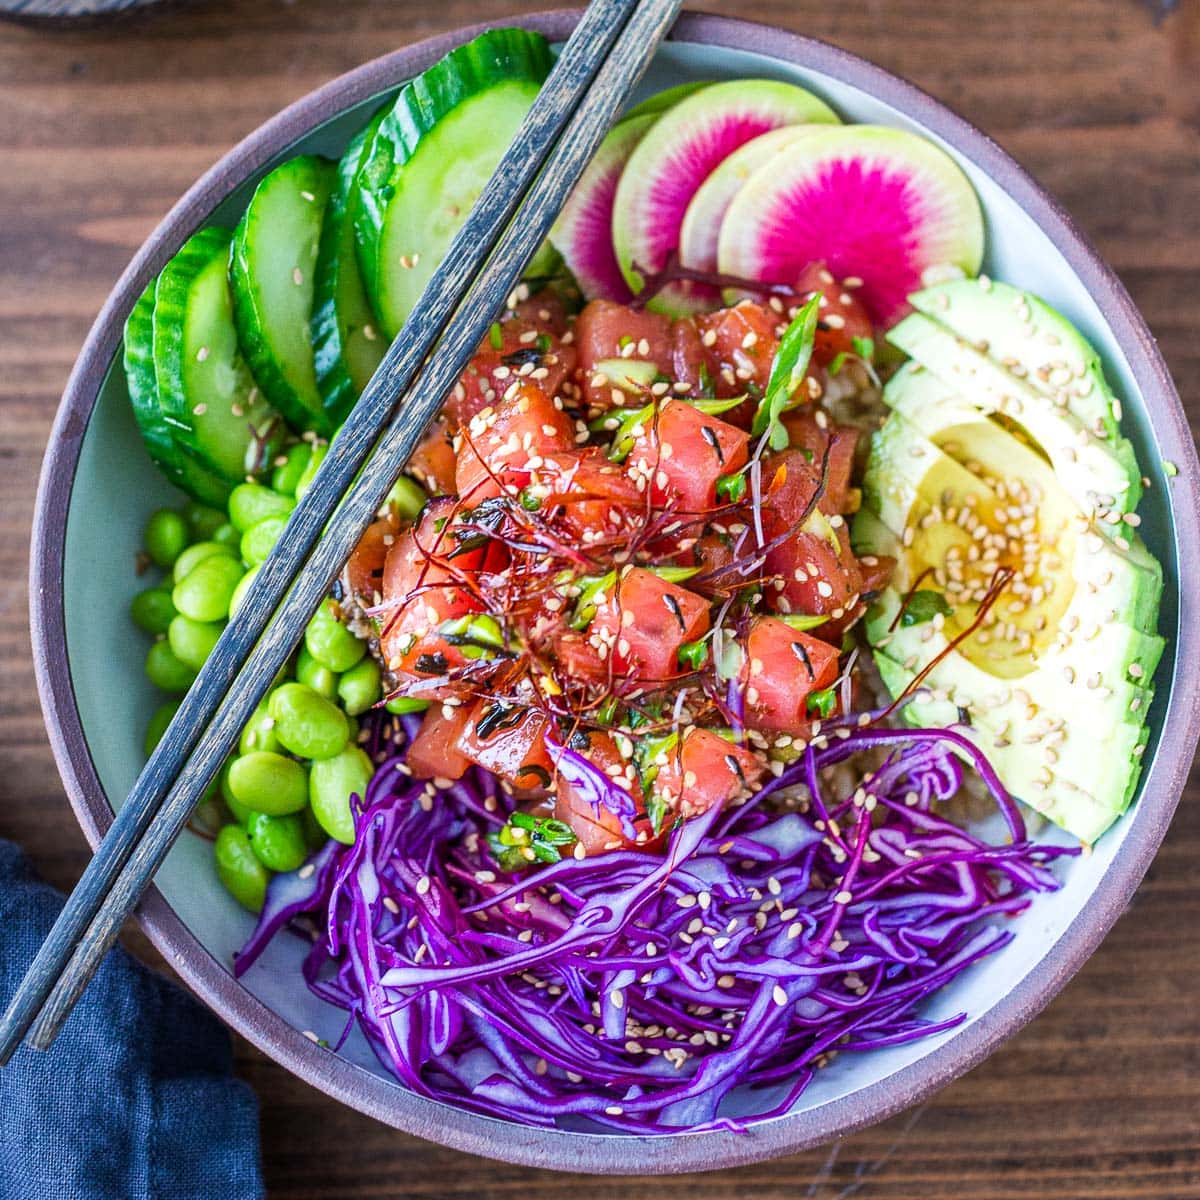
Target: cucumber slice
{"points": [[433, 155], [205, 390], [346, 344], [182, 471], [271, 270]]}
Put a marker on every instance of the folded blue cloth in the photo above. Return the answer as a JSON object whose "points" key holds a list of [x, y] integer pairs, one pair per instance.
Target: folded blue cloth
{"points": [[135, 1101]]}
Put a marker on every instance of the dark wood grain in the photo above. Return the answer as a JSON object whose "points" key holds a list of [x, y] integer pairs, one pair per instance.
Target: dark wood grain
{"points": [[101, 129]]}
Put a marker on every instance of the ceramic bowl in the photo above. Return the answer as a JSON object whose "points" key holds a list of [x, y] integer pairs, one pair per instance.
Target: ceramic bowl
{"points": [[98, 487]]}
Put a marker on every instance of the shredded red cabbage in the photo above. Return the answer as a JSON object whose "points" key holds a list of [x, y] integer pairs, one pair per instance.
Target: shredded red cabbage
{"points": [[638, 990]]}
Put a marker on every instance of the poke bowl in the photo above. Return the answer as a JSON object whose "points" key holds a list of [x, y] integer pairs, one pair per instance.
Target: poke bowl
{"points": [[99, 488]]}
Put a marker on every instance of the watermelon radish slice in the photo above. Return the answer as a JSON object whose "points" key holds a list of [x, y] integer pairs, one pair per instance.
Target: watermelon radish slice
{"points": [[702, 221], [881, 204], [675, 157], [583, 232]]}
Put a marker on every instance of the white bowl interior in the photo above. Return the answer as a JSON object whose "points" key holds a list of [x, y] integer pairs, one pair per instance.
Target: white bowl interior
{"points": [[114, 698]]}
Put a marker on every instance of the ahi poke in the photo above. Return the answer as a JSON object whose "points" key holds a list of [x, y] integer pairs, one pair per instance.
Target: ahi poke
{"points": [[701, 700]]}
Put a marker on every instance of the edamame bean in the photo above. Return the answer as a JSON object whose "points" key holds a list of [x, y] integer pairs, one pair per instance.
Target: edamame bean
{"points": [[194, 555], [241, 814], [165, 670], [157, 726], [204, 594], [315, 459], [228, 536], [330, 785], [314, 836], [239, 868], [268, 782], [152, 609], [287, 473], [259, 732], [408, 497], [259, 539], [208, 814], [306, 723], [250, 503], [278, 841], [193, 641], [330, 642], [165, 536], [400, 705], [315, 675], [202, 521], [360, 687], [239, 592]]}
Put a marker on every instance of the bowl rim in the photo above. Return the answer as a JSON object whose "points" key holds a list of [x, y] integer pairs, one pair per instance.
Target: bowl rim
{"points": [[211, 980]]}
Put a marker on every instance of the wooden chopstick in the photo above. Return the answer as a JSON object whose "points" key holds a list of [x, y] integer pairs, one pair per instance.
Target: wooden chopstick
{"points": [[136, 845]]}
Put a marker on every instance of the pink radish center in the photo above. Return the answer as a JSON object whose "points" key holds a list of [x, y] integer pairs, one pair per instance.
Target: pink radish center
{"points": [[860, 220]]}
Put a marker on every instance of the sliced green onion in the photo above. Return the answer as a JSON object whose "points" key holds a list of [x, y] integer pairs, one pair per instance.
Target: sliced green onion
{"points": [[649, 751], [714, 408], [496, 336], [693, 654], [787, 374], [674, 574], [593, 586], [731, 488], [478, 635], [822, 703], [524, 839], [801, 622]]}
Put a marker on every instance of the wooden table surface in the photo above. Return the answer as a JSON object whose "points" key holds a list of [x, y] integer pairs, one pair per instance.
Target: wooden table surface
{"points": [[101, 129]]}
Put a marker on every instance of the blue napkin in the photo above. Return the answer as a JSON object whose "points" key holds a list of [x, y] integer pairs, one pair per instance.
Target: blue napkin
{"points": [[135, 1101]]}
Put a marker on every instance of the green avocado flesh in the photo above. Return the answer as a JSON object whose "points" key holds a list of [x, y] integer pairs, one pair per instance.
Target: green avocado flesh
{"points": [[978, 471]]}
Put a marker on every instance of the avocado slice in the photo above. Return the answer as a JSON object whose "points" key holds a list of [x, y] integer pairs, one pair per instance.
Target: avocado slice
{"points": [[1022, 333], [1123, 575], [1100, 477], [1087, 810], [1055, 685]]}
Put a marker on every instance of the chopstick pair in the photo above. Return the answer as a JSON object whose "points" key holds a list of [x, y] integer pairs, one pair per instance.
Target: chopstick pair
{"points": [[600, 64]]}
